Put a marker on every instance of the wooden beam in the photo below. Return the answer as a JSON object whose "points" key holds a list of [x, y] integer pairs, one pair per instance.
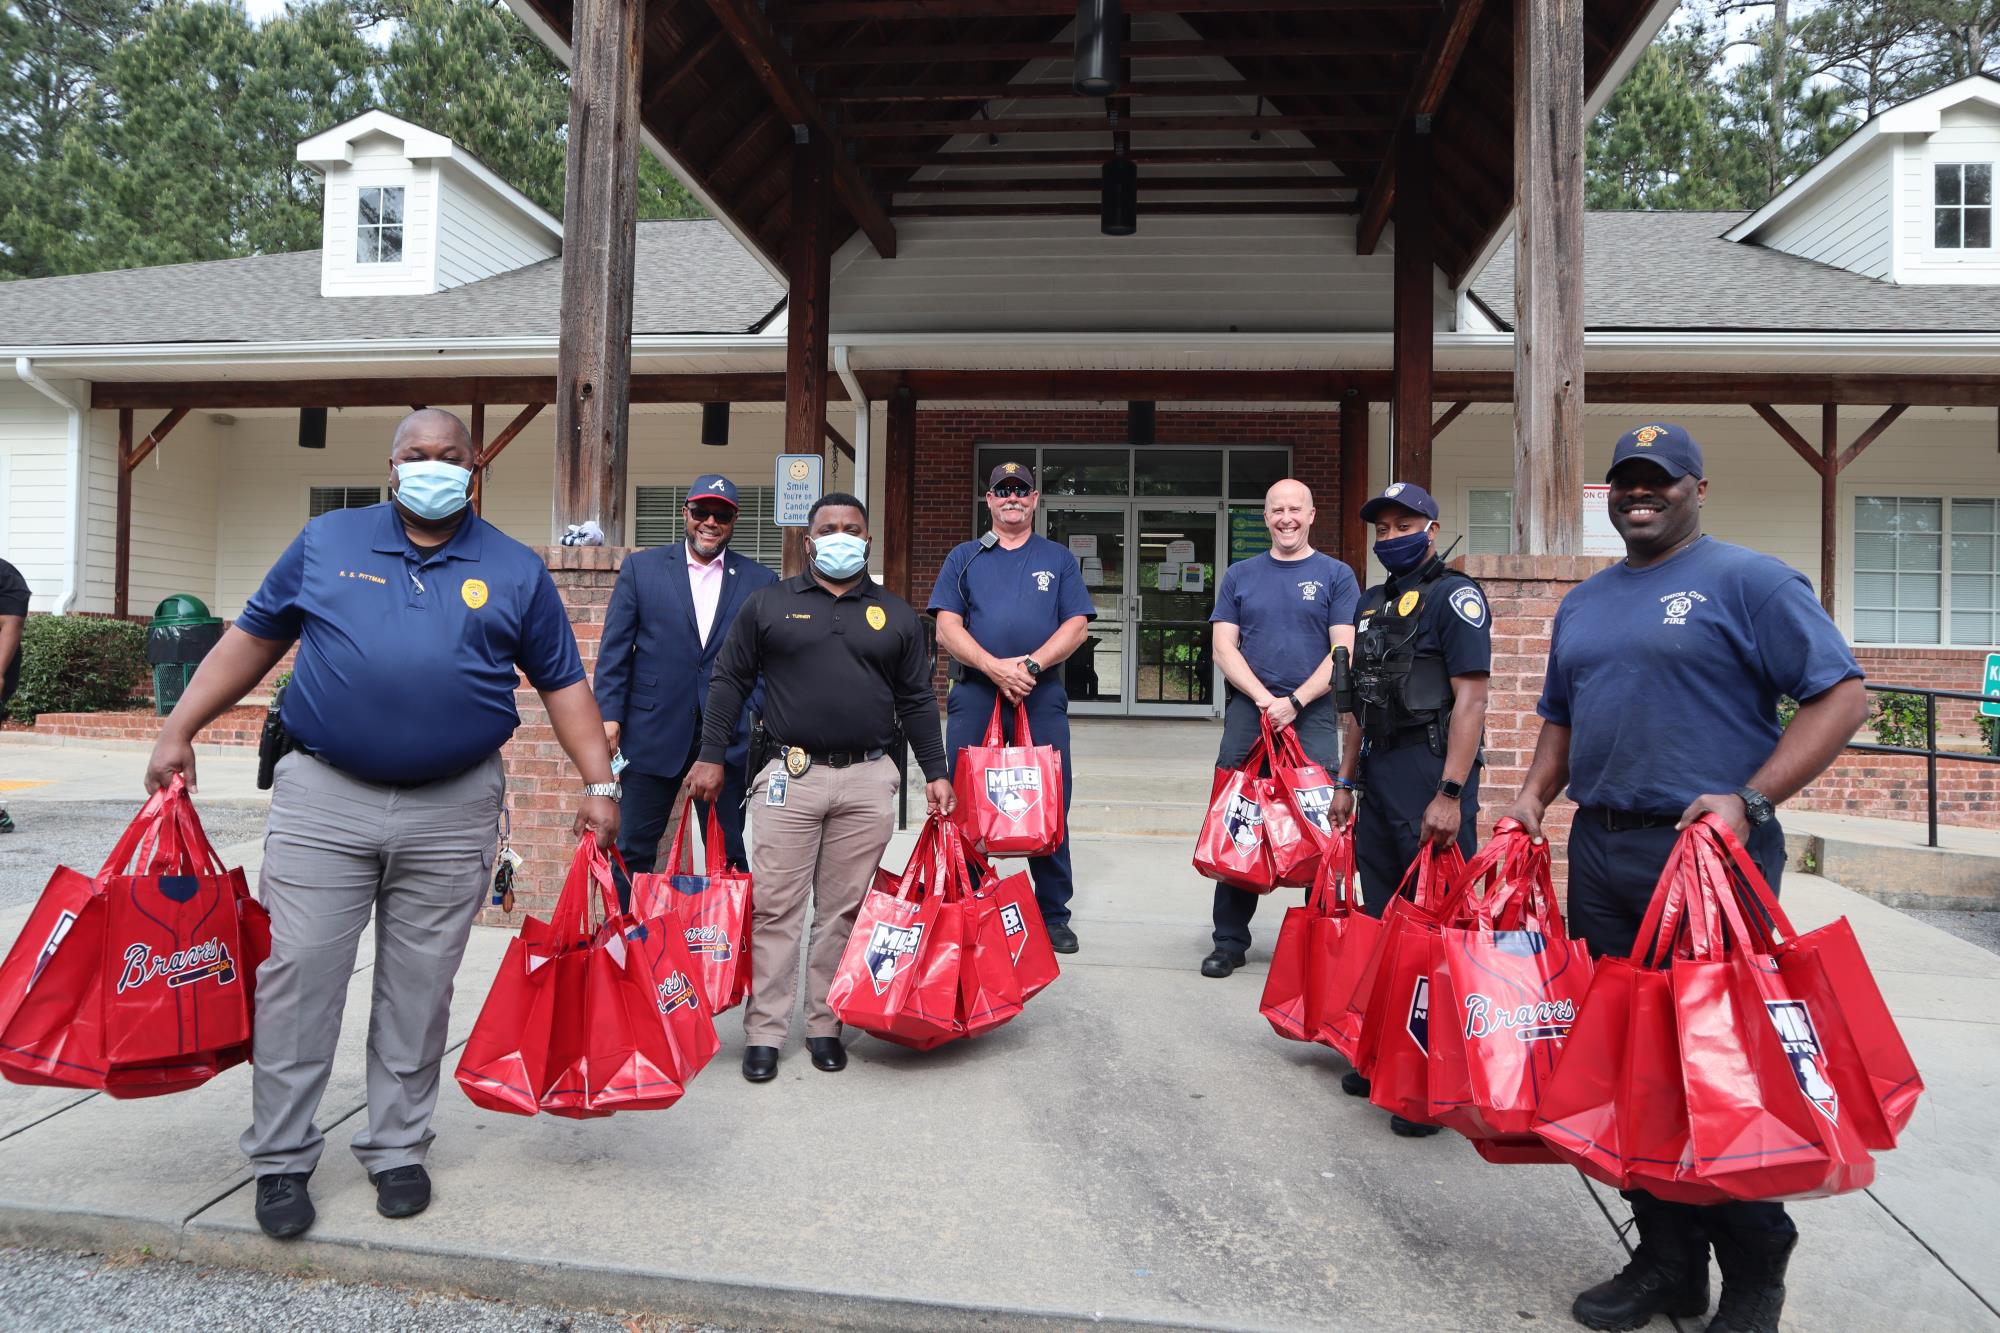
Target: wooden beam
{"points": [[839, 441], [1415, 291], [1225, 155], [974, 90], [1353, 483], [121, 565], [224, 395], [477, 430], [489, 452], [600, 217], [144, 449], [1088, 184], [858, 11], [1158, 208], [1178, 124], [1451, 414], [1008, 53], [766, 54], [1829, 483], [899, 491], [1548, 276], [684, 65], [808, 272], [1869, 436], [1440, 61], [1787, 434], [1118, 386]]}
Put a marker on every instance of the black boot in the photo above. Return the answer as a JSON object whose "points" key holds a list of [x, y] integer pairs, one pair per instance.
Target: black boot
{"points": [[1753, 1280], [1668, 1273]]}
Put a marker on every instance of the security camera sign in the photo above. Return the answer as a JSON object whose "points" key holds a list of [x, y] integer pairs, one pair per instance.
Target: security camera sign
{"points": [[796, 485]]}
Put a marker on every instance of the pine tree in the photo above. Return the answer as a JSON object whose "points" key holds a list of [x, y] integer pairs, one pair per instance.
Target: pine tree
{"points": [[1659, 142]]}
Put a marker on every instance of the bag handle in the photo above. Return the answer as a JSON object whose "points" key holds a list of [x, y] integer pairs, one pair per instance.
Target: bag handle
{"points": [[1333, 886], [572, 910], [993, 726], [144, 827], [1749, 880]]}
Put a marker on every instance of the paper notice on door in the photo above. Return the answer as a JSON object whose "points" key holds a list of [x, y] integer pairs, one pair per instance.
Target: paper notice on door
{"points": [[1169, 578], [1083, 545], [1093, 571], [1180, 552], [1194, 578]]}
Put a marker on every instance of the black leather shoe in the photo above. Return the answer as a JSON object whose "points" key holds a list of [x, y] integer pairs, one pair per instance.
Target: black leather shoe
{"points": [[827, 1053], [1221, 963], [1668, 1275], [1062, 939], [1753, 1281], [401, 1191], [284, 1209], [1411, 1129], [1353, 1084], [760, 1063]]}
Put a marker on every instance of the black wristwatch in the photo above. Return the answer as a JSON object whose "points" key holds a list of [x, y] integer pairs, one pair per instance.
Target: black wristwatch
{"points": [[1034, 667], [1297, 707], [1757, 806], [1446, 787]]}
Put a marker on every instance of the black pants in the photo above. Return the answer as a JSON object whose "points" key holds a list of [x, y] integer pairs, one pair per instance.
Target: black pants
{"points": [[1611, 881], [1397, 782], [649, 803], [1318, 729]]}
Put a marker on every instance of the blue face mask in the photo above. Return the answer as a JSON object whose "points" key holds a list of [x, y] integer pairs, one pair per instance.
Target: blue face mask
{"points": [[840, 555], [432, 490], [1400, 555]]}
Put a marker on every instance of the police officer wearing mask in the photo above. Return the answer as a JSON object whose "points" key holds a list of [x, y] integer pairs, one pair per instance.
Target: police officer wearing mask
{"points": [[1010, 608], [1660, 705], [415, 621], [843, 661], [1423, 644]]}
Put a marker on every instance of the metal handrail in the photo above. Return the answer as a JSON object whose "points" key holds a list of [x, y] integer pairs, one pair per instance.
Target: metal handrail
{"points": [[1930, 753]]}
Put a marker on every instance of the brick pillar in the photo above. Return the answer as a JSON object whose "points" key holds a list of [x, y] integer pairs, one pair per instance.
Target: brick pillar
{"points": [[543, 787], [1522, 592]]}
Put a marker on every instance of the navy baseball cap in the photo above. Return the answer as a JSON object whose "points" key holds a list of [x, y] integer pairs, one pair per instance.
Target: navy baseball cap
{"points": [[1668, 445], [1405, 493], [1020, 472], [713, 486]]}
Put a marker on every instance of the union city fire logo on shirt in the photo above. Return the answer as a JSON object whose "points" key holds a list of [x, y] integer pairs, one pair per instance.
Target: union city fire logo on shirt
{"points": [[710, 941], [676, 992], [1316, 804], [1014, 791], [1679, 605], [1801, 1042], [1243, 821], [1309, 589], [1043, 579], [889, 947], [182, 967]]}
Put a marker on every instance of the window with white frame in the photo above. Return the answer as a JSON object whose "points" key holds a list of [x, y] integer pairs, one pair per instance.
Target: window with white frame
{"points": [[1926, 570], [326, 499], [1962, 206], [660, 519], [378, 237], [1489, 522]]}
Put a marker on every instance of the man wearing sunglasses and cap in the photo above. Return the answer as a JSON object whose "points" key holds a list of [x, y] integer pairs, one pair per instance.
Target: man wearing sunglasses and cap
{"points": [[1010, 608], [670, 612]]}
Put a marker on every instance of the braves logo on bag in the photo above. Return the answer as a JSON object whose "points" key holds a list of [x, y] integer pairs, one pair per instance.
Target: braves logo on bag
{"points": [[1243, 821], [1014, 927], [676, 992], [1801, 1041], [888, 947], [1316, 804], [710, 942], [1014, 791], [1541, 1021], [1419, 1022], [183, 967], [56, 933]]}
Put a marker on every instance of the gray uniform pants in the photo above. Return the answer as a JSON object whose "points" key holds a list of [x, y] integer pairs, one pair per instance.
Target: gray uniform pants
{"points": [[338, 850]]}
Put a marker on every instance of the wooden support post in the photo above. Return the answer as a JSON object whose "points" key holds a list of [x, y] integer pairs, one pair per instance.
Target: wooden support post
{"points": [[899, 491], [488, 453], [1353, 483], [1450, 414], [808, 273], [600, 213], [478, 430], [1410, 410], [1829, 483], [121, 589], [1548, 276]]}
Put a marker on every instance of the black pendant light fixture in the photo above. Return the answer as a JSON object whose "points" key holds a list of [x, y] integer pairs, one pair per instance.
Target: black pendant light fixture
{"points": [[1118, 208], [312, 428], [1141, 423], [715, 424], [1099, 27]]}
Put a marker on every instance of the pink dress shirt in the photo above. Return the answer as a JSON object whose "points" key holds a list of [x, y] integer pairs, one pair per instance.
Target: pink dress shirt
{"points": [[705, 584]]}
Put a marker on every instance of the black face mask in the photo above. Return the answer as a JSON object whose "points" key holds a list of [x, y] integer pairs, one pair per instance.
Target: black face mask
{"points": [[1400, 555]]}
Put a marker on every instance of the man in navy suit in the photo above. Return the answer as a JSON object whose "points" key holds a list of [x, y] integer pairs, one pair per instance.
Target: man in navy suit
{"points": [[669, 613]]}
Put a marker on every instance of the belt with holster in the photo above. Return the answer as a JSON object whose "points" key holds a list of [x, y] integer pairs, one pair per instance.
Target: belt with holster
{"points": [[1623, 821], [796, 759]]}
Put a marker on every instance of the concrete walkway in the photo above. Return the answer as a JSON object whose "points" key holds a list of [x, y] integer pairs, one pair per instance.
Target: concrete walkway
{"points": [[1137, 1149]]}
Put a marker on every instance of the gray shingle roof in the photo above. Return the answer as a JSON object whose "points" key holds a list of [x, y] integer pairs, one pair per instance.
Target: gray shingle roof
{"points": [[692, 277], [1660, 271]]}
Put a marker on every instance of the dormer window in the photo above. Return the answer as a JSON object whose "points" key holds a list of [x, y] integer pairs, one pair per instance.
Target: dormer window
{"points": [[1963, 206], [378, 237]]}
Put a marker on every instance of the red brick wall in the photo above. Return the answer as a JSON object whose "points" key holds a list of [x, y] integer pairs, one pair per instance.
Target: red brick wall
{"points": [[1891, 786], [1933, 669]]}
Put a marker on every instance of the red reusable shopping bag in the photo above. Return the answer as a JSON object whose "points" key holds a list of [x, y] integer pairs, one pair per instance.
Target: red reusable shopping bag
{"points": [[1010, 797], [880, 970], [714, 909], [649, 1030], [1231, 846], [1393, 1051], [1305, 795], [1292, 959], [989, 987], [1021, 925]]}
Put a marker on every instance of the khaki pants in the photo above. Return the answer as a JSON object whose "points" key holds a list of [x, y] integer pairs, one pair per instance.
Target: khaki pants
{"points": [[823, 843]]}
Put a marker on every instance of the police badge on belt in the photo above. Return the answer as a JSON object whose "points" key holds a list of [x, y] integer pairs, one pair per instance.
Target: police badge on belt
{"points": [[797, 761]]}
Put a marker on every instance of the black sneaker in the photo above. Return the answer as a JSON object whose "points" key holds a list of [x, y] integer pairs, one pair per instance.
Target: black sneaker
{"points": [[1221, 963], [1411, 1129], [284, 1209], [1353, 1084], [401, 1191], [1062, 939], [6, 822]]}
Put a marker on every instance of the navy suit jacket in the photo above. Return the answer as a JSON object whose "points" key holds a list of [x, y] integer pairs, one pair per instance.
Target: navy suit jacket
{"points": [[652, 668]]}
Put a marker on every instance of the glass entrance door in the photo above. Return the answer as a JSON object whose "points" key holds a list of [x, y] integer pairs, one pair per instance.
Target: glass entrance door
{"points": [[1094, 675]]}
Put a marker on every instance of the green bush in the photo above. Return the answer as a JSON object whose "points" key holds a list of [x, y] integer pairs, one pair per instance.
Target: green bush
{"points": [[78, 664], [1899, 720], [1986, 725], [1788, 708]]}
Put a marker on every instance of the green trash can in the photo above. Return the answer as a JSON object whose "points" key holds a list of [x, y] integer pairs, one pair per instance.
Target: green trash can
{"points": [[179, 636]]}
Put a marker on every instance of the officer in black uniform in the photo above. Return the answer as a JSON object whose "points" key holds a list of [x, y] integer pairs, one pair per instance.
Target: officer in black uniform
{"points": [[1423, 644]]}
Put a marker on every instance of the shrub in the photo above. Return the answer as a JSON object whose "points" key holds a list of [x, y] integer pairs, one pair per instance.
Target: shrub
{"points": [[1788, 708], [1986, 725], [78, 664], [1899, 720]]}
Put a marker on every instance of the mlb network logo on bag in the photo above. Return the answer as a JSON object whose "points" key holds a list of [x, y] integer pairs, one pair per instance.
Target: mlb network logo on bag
{"points": [[1243, 821], [1316, 804], [1014, 791], [1541, 1021], [676, 992], [1419, 1022], [1014, 928], [888, 947], [711, 942], [56, 934], [1801, 1041], [183, 967]]}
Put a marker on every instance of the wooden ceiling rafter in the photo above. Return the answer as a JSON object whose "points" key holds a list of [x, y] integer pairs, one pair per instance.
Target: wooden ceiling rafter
{"points": [[1219, 156], [1451, 35], [916, 53], [795, 12], [1152, 208], [1178, 124], [1152, 184], [1140, 90]]}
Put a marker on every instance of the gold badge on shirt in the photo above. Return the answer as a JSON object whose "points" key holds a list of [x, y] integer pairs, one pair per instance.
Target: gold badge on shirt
{"points": [[474, 592], [1409, 602], [877, 617]]}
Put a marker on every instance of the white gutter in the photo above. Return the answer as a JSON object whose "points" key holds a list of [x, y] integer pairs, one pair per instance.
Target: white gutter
{"points": [[24, 370], [863, 419], [432, 351]]}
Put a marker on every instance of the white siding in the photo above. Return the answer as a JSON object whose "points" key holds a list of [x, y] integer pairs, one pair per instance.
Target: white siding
{"points": [[1218, 274], [1969, 132], [174, 502], [34, 445], [1846, 221], [378, 160], [480, 234]]}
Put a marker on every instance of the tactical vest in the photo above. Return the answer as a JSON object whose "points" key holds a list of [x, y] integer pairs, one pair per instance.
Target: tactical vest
{"points": [[1398, 687]]}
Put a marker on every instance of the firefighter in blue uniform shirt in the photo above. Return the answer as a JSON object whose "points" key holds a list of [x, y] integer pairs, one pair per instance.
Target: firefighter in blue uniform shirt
{"points": [[1423, 644], [1660, 704], [1010, 608]]}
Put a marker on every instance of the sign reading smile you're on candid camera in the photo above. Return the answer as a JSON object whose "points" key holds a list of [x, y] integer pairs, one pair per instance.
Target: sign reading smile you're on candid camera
{"points": [[795, 486]]}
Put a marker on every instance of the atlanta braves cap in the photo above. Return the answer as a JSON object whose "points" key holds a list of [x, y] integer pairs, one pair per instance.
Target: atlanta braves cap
{"points": [[713, 486], [1405, 493], [1011, 472], [1669, 446]]}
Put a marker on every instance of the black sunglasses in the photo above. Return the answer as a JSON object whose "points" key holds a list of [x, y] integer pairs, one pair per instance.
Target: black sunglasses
{"points": [[1012, 488], [712, 513]]}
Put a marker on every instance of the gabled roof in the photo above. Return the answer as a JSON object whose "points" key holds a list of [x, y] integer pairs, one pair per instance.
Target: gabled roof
{"points": [[330, 149], [1679, 271], [691, 277], [1919, 115]]}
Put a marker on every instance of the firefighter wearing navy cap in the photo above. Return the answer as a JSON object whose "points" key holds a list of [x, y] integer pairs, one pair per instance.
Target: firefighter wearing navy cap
{"points": [[1423, 644], [1660, 705], [1010, 608]]}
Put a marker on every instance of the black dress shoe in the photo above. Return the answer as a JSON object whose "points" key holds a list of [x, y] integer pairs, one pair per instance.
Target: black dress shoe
{"points": [[401, 1191], [1411, 1129], [284, 1209], [1221, 963], [827, 1053], [1062, 939], [760, 1063], [1353, 1084]]}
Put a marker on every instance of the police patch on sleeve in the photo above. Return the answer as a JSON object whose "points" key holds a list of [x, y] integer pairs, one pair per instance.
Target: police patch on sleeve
{"points": [[1470, 606]]}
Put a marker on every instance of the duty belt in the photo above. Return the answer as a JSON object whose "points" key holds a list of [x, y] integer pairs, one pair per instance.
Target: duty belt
{"points": [[796, 759], [1624, 821]]}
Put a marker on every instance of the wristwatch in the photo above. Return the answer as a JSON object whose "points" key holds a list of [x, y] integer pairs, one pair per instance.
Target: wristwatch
{"points": [[612, 789], [1034, 667], [1756, 806], [1446, 787]]}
